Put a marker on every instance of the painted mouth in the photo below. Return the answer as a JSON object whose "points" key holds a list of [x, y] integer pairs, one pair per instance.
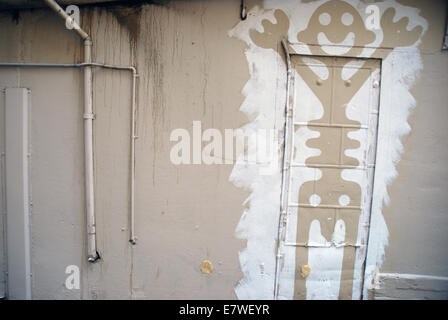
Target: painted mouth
{"points": [[334, 48]]}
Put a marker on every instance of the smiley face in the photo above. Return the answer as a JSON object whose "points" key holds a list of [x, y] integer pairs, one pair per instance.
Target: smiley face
{"points": [[336, 28]]}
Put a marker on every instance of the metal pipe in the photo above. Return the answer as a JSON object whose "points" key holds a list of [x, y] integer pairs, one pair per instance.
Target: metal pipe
{"points": [[243, 10], [88, 134], [92, 253], [285, 175], [67, 65], [88, 117], [134, 136], [133, 239], [61, 12], [91, 223]]}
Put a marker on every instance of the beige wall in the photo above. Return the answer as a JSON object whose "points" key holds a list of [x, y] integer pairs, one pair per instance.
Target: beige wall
{"points": [[190, 69], [187, 72], [417, 217]]}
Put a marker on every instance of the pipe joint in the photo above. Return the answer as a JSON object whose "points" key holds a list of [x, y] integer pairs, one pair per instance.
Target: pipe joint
{"points": [[89, 116], [94, 258]]}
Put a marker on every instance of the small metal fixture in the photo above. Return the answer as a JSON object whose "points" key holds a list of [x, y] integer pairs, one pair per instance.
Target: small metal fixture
{"points": [[243, 12]]}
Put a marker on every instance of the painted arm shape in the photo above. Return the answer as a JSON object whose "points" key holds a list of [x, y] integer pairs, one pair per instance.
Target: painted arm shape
{"points": [[395, 34]]}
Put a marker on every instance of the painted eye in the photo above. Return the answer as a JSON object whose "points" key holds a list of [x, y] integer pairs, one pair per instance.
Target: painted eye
{"points": [[325, 19], [347, 19], [344, 200], [315, 200]]}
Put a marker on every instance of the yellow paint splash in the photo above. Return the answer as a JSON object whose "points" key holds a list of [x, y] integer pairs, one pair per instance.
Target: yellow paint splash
{"points": [[206, 267], [305, 272]]}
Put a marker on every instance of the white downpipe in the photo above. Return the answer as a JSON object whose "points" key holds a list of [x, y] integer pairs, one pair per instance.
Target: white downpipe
{"points": [[92, 254], [88, 116], [133, 238]]}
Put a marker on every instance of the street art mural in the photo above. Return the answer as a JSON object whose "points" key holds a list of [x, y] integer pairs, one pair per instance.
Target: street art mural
{"points": [[340, 57]]}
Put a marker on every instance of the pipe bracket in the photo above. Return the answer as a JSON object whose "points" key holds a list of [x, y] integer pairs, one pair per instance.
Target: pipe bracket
{"points": [[89, 116], [243, 12]]}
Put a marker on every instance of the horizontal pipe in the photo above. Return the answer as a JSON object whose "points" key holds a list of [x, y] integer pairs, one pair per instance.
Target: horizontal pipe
{"points": [[323, 206], [66, 65], [135, 75], [330, 125], [332, 244], [331, 166]]}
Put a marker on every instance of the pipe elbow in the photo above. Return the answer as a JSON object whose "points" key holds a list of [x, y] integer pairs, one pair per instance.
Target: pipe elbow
{"points": [[95, 258]]}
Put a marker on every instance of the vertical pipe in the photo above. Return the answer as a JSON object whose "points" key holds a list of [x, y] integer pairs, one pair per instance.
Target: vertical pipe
{"points": [[89, 115], [285, 174], [92, 254], [133, 239]]}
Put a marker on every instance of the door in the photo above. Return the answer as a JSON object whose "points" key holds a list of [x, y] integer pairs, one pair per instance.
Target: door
{"points": [[335, 114]]}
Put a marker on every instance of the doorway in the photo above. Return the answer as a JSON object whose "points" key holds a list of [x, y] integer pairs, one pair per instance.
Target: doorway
{"points": [[335, 105]]}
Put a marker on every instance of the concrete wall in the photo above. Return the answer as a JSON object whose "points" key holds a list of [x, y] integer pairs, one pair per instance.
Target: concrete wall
{"points": [[190, 69], [417, 216], [187, 72]]}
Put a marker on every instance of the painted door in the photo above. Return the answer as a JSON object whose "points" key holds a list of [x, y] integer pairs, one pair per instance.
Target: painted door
{"points": [[335, 104]]}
